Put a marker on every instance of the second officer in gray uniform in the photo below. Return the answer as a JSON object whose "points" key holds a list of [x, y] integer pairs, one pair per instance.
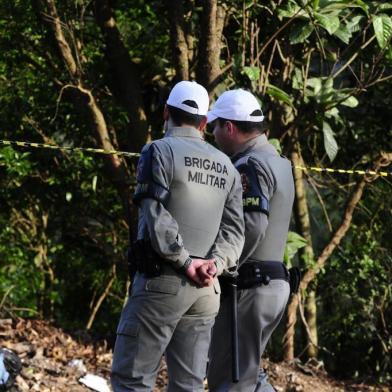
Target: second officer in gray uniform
{"points": [[262, 277], [191, 228]]}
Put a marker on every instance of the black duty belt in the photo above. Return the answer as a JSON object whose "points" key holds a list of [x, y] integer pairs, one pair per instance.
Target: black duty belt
{"points": [[256, 273]]}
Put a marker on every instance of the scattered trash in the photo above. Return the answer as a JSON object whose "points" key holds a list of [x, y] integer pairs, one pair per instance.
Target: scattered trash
{"points": [[52, 360], [94, 382], [78, 365], [4, 375], [10, 367]]}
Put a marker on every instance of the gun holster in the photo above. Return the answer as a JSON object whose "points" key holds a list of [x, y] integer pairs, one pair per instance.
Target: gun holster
{"points": [[143, 259], [294, 279]]}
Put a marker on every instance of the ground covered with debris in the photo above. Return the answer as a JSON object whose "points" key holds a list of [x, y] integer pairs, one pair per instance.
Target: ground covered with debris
{"points": [[54, 361]]}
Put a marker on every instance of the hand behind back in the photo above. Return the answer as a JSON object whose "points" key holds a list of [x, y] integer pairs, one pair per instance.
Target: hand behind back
{"points": [[202, 271]]}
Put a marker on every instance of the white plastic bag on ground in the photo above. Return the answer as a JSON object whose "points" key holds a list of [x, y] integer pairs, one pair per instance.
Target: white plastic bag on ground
{"points": [[4, 375], [94, 382]]}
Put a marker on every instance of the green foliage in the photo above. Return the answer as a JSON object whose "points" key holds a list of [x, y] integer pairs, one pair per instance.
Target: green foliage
{"points": [[331, 147], [279, 94], [276, 144], [62, 224], [382, 25], [253, 73], [294, 242], [356, 306]]}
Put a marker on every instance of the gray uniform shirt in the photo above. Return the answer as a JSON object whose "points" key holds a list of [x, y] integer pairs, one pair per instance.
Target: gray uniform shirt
{"points": [[194, 205], [268, 198]]}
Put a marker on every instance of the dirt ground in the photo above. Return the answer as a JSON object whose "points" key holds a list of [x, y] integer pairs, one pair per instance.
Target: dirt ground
{"points": [[53, 361]]}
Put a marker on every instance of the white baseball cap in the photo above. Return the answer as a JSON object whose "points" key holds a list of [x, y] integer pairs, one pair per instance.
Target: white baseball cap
{"points": [[237, 105], [189, 91]]}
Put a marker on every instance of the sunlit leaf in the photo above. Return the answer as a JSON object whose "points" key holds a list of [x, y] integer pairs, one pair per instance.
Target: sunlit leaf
{"points": [[94, 183], [382, 25], [276, 144], [385, 6], [293, 243], [279, 94], [253, 73], [330, 144], [297, 79], [314, 83], [291, 9], [351, 102], [330, 22], [354, 25], [343, 34]]}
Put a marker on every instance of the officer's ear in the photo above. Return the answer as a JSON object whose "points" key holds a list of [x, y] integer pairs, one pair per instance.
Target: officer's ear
{"points": [[231, 128], [166, 113], [203, 124]]}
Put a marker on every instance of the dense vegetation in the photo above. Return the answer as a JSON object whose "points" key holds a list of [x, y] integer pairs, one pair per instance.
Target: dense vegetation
{"points": [[97, 73]]}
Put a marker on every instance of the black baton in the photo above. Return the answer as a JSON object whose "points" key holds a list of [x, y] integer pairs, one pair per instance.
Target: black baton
{"points": [[234, 332]]}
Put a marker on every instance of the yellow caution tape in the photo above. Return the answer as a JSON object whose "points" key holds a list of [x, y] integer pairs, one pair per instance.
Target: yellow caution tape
{"points": [[87, 149], [135, 154], [343, 171]]}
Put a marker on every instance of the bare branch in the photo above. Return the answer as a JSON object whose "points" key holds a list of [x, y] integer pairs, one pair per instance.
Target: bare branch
{"points": [[353, 57], [57, 26], [102, 297]]}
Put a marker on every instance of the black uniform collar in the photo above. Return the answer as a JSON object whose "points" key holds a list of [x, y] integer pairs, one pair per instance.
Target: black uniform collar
{"points": [[183, 132], [258, 141]]}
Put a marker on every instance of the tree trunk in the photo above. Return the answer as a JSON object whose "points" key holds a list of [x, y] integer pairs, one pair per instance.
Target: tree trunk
{"points": [[311, 320], [178, 36], [212, 22], [124, 77], [384, 160], [302, 219], [84, 99]]}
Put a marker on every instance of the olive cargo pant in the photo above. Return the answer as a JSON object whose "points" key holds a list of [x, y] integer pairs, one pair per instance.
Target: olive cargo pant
{"points": [[164, 314], [260, 310]]}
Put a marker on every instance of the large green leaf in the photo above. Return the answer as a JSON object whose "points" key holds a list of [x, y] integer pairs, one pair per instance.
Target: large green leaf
{"points": [[354, 24], [330, 144], [333, 6], [297, 80], [382, 25], [293, 243], [279, 94], [315, 84], [253, 73], [385, 6], [291, 9], [330, 22], [300, 32], [351, 102], [343, 34], [361, 4]]}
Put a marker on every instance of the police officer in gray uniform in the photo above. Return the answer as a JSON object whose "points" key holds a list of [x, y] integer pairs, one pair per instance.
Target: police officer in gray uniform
{"points": [[190, 216], [268, 194]]}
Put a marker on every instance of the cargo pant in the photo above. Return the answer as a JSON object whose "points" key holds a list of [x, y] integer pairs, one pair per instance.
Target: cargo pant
{"points": [[166, 314], [260, 310]]}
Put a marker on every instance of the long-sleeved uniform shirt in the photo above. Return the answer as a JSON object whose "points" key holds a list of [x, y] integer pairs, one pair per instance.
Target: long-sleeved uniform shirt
{"points": [[268, 194], [190, 198]]}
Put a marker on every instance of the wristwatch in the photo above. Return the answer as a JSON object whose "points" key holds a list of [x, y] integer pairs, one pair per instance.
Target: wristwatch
{"points": [[186, 265]]}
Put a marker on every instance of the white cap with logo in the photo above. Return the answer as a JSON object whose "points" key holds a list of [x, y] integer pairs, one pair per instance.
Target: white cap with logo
{"points": [[236, 105], [189, 91]]}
